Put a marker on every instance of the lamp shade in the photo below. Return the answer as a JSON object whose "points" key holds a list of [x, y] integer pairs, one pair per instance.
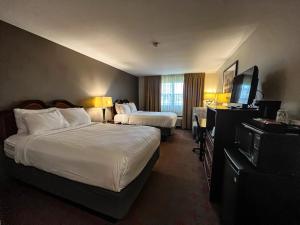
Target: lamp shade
{"points": [[223, 97], [102, 102], [210, 96]]}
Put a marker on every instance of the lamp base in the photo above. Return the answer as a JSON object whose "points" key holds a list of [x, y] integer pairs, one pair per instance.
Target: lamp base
{"points": [[103, 116]]}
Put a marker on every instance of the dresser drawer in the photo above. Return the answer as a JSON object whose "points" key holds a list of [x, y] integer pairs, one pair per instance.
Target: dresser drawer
{"points": [[207, 170], [208, 150], [208, 161], [209, 141]]}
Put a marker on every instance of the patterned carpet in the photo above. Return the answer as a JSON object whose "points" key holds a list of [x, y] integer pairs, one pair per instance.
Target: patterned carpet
{"points": [[175, 194]]}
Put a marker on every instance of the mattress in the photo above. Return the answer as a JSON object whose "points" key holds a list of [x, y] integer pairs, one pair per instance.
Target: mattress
{"points": [[103, 155], [156, 119], [9, 146]]}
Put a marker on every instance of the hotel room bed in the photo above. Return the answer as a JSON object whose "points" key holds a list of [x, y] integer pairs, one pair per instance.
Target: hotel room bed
{"points": [[166, 121], [93, 165], [155, 119]]}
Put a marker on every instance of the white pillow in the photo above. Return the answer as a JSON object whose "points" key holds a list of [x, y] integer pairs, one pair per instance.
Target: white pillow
{"points": [[117, 107], [76, 116], [19, 114], [132, 107], [38, 123], [124, 109]]}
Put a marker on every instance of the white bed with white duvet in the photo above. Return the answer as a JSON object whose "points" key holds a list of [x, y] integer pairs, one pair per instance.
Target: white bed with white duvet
{"points": [[66, 143], [100, 166], [127, 113], [88, 153]]}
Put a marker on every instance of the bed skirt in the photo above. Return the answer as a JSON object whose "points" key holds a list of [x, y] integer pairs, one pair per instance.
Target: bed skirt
{"points": [[166, 132], [113, 204]]}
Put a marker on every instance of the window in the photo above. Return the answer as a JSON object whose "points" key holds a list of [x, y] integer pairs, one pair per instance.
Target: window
{"points": [[172, 94]]}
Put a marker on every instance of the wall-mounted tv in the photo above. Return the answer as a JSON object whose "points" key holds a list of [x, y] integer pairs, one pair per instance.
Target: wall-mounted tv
{"points": [[245, 86]]}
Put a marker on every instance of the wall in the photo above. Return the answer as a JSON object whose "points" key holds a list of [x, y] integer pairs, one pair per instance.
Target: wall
{"points": [[210, 85], [141, 93], [275, 48], [211, 82], [34, 68]]}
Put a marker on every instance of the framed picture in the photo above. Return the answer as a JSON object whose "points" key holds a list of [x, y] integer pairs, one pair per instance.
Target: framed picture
{"points": [[228, 76]]}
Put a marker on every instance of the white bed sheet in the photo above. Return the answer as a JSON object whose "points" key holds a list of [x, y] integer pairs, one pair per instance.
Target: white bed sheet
{"points": [[9, 146], [104, 155], [156, 119]]}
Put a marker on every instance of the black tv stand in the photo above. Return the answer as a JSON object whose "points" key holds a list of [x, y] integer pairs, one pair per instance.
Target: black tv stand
{"points": [[236, 107], [244, 106], [221, 125]]}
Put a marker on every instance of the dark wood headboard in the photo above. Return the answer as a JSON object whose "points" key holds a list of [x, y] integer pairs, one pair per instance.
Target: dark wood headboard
{"points": [[8, 125], [32, 104], [63, 104], [119, 101]]}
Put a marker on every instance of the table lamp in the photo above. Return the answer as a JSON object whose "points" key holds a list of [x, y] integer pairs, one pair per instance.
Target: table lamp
{"points": [[102, 102], [209, 97], [222, 98]]}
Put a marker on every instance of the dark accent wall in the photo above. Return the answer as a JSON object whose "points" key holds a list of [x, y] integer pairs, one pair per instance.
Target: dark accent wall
{"points": [[32, 67]]}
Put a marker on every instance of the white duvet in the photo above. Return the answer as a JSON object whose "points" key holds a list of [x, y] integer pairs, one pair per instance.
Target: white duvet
{"points": [[156, 119], [104, 155]]}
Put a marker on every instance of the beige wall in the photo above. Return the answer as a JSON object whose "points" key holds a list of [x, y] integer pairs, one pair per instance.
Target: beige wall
{"points": [[211, 82], [275, 48], [32, 67]]}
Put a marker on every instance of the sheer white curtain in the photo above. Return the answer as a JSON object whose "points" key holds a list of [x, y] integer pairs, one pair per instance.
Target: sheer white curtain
{"points": [[172, 93]]}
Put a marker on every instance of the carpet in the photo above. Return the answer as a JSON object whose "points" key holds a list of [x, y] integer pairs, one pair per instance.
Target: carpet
{"points": [[175, 194]]}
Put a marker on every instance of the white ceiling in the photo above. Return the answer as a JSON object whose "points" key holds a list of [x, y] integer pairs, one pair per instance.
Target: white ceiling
{"points": [[195, 35]]}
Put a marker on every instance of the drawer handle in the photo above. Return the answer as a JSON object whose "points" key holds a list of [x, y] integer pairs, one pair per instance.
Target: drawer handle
{"points": [[234, 180]]}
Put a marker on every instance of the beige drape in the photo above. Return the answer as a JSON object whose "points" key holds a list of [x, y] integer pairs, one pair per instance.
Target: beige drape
{"points": [[193, 91], [152, 93]]}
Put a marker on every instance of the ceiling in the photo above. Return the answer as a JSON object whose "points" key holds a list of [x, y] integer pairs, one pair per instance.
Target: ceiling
{"points": [[194, 35]]}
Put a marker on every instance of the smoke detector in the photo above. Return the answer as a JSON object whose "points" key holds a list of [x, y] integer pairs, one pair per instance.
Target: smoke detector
{"points": [[155, 43]]}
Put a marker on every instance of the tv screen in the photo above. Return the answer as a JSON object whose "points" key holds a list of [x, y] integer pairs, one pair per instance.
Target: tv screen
{"points": [[245, 86]]}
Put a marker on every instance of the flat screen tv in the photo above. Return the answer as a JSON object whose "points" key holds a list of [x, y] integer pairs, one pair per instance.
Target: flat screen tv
{"points": [[245, 86]]}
